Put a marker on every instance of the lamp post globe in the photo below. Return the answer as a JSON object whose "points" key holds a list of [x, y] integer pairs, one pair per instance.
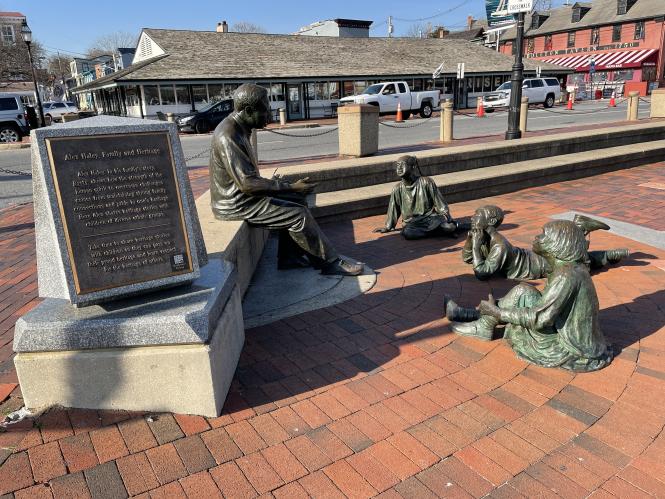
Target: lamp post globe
{"points": [[26, 34]]}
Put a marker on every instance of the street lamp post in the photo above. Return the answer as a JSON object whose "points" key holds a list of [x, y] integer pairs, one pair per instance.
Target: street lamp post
{"points": [[517, 78], [26, 33]]}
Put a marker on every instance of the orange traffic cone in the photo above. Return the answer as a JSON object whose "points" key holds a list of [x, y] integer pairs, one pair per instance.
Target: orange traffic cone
{"points": [[570, 102], [612, 100], [399, 118], [480, 108]]}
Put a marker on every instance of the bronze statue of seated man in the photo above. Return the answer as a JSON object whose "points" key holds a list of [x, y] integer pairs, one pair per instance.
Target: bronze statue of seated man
{"points": [[238, 192], [417, 200], [558, 327], [491, 253]]}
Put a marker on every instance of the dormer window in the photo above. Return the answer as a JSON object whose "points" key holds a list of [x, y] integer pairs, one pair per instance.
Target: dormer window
{"points": [[624, 6], [537, 19], [579, 11]]}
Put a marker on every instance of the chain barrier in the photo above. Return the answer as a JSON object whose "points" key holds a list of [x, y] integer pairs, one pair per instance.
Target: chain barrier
{"points": [[645, 100], [308, 135], [408, 125], [15, 172], [588, 111], [202, 153]]}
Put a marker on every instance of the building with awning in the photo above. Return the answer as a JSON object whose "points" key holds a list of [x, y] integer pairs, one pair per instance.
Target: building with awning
{"points": [[179, 71], [609, 44]]}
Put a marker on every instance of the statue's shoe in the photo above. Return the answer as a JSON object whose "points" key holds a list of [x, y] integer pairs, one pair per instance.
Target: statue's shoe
{"points": [[588, 224], [463, 226], [456, 313], [483, 328], [342, 267]]}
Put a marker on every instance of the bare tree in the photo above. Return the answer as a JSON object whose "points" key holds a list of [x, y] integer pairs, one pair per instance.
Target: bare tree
{"points": [[15, 63], [247, 27], [58, 64], [108, 44], [418, 30]]}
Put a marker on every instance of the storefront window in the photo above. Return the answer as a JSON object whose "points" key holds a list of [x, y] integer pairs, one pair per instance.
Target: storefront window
{"points": [[487, 84], [359, 86], [333, 90], [131, 96], [469, 84], [168, 95], [548, 42], [417, 85], [348, 88], [229, 88], [616, 33], [151, 95], [625, 75], [639, 30], [448, 83], [182, 94], [429, 84], [277, 92], [497, 82], [595, 36], [478, 84], [216, 92], [200, 94], [571, 39]]}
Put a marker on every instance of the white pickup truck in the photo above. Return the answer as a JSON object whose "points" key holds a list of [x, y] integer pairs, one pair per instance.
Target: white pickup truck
{"points": [[387, 95]]}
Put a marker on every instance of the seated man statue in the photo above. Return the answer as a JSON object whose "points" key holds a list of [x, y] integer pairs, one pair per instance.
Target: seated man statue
{"points": [[238, 192], [558, 327], [420, 204]]}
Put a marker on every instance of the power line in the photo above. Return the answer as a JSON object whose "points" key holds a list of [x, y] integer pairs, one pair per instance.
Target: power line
{"points": [[428, 18]]}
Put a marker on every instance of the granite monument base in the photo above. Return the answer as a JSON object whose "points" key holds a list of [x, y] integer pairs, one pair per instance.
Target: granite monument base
{"points": [[172, 351]]}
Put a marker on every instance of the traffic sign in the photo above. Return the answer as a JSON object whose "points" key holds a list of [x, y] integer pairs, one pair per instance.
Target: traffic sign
{"points": [[515, 6], [460, 70]]}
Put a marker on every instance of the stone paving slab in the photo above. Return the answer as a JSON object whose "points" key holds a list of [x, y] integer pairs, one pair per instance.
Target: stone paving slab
{"points": [[376, 396]]}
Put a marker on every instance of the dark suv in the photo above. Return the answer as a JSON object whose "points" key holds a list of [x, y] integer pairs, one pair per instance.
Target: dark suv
{"points": [[13, 122], [205, 119]]}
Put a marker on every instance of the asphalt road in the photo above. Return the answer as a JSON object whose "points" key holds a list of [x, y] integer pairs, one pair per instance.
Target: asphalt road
{"points": [[303, 143]]}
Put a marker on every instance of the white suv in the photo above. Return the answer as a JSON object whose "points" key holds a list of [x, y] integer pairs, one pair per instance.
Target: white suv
{"points": [[53, 111], [545, 91], [13, 122]]}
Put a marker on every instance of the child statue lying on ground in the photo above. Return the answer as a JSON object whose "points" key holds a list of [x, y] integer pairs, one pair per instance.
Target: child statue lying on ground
{"points": [[239, 192], [420, 204], [558, 327], [490, 253]]}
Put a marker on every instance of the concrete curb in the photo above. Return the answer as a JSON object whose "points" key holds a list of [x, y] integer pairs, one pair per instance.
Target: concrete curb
{"points": [[11, 147]]}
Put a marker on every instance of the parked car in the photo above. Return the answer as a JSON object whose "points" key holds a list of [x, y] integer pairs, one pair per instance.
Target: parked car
{"points": [[13, 119], [205, 119], [387, 95], [545, 91], [53, 111]]}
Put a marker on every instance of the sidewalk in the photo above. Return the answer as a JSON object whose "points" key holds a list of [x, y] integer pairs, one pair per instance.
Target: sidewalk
{"points": [[376, 396]]}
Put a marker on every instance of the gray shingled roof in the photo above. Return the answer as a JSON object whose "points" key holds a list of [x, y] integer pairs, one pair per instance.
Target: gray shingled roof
{"points": [[206, 55], [603, 12]]}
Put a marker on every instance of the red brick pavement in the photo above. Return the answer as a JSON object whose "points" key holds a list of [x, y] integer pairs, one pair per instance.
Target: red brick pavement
{"points": [[375, 396]]}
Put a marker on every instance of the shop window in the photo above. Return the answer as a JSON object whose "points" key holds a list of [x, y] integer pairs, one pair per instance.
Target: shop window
{"points": [[359, 86], [548, 43], [151, 95], [429, 84], [487, 84], [639, 30], [469, 85], [229, 88], [571, 39], [595, 36], [448, 83], [216, 92], [277, 92], [347, 88], [333, 90], [530, 46], [616, 33], [200, 94], [131, 96], [182, 94], [417, 85], [498, 80]]}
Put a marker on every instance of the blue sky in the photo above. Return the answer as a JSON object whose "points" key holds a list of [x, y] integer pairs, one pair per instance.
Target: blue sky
{"points": [[72, 25]]}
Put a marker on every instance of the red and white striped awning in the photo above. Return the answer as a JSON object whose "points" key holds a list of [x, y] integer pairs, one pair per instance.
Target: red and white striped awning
{"points": [[617, 59]]}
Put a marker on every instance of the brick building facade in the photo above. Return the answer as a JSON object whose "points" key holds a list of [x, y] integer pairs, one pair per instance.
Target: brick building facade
{"points": [[610, 44]]}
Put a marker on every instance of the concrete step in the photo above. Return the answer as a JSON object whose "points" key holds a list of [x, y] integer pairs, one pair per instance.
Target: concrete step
{"points": [[361, 172], [492, 180]]}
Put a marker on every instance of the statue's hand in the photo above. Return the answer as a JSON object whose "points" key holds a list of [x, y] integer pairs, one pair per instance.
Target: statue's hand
{"points": [[382, 230], [476, 237], [303, 186], [488, 307]]}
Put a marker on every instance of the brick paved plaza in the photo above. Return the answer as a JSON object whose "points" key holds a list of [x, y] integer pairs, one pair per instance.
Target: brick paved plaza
{"points": [[376, 396]]}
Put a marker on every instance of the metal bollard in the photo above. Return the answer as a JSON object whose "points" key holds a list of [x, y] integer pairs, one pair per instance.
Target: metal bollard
{"points": [[633, 105], [170, 117], [524, 109], [446, 132], [282, 116]]}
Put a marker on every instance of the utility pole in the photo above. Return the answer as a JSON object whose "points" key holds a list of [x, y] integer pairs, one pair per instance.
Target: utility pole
{"points": [[516, 80], [390, 27]]}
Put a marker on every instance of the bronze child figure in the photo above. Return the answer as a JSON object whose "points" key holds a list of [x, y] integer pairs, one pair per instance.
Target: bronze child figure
{"points": [[558, 327], [238, 192], [417, 200]]}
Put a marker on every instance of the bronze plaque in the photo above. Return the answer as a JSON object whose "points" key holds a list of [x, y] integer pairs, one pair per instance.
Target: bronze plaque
{"points": [[119, 199]]}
